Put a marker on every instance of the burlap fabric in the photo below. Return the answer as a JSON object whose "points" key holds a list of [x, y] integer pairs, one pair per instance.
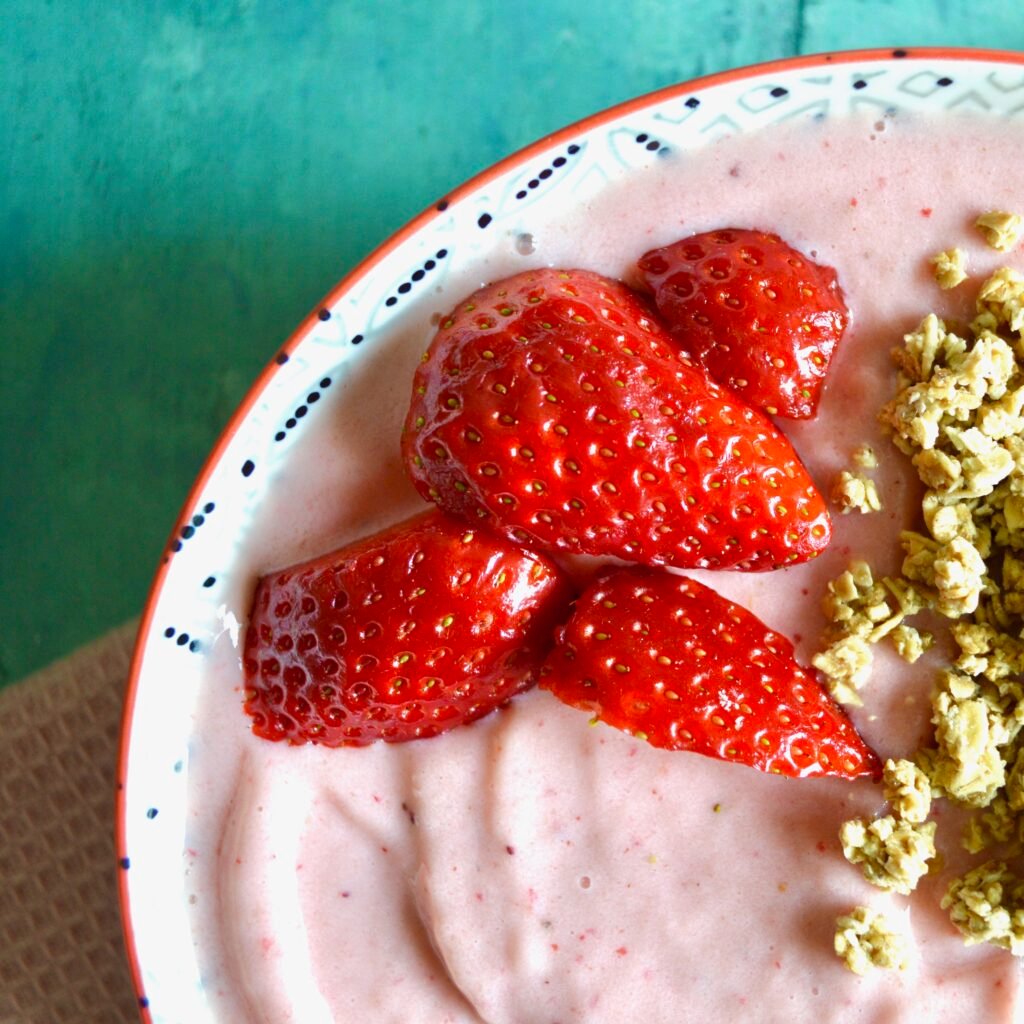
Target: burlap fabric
{"points": [[62, 958]]}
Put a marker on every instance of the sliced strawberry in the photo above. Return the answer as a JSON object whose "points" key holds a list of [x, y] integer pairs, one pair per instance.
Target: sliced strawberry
{"points": [[402, 635], [672, 662], [552, 406], [761, 317]]}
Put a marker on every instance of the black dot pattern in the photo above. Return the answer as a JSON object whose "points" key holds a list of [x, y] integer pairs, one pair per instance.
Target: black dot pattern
{"points": [[442, 206], [483, 220], [247, 467], [860, 84], [301, 410], [944, 82], [900, 53], [152, 813], [125, 863], [545, 173], [282, 358], [649, 143], [413, 279], [778, 92], [144, 1002], [693, 103], [188, 530], [324, 314], [183, 640]]}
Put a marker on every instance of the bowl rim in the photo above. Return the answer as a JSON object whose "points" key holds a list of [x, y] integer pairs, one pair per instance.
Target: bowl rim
{"points": [[365, 267]]}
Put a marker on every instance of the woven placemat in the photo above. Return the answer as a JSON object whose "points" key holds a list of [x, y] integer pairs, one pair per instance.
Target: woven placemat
{"points": [[62, 959]]}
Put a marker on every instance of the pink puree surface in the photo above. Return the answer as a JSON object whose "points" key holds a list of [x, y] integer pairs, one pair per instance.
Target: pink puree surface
{"points": [[532, 869]]}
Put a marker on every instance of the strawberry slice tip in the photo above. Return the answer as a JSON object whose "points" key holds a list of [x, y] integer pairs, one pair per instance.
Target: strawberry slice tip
{"points": [[761, 317], [673, 662], [400, 636]]}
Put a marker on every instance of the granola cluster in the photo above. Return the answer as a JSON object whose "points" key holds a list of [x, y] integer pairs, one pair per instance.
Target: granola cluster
{"points": [[894, 851], [908, 791], [959, 415], [950, 268], [864, 939], [863, 611], [1001, 229], [853, 490], [987, 905]]}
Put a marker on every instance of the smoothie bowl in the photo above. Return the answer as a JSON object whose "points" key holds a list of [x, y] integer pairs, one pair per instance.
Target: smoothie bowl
{"points": [[533, 866]]}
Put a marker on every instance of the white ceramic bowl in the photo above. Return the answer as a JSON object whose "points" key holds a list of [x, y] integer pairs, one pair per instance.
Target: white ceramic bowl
{"points": [[386, 302]]}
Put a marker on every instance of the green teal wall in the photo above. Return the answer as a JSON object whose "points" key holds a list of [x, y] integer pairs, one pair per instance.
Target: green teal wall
{"points": [[181, 181]]}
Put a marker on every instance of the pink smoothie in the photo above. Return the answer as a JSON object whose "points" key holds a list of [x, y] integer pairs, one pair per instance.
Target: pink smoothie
{"points": [[532, 869]]}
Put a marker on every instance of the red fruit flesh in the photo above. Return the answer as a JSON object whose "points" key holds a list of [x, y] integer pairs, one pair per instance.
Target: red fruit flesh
{"points": [[673, 662], [762, 318], [403, 635], [552, 407]]}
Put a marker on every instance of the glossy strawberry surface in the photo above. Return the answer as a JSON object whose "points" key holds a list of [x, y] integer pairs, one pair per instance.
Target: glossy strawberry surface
{"points": [[554, 407], [669, 660], [761, 317], [399, 636]]}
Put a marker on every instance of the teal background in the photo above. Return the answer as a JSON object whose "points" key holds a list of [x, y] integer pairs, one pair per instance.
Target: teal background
{"points": [[180, 182]]}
